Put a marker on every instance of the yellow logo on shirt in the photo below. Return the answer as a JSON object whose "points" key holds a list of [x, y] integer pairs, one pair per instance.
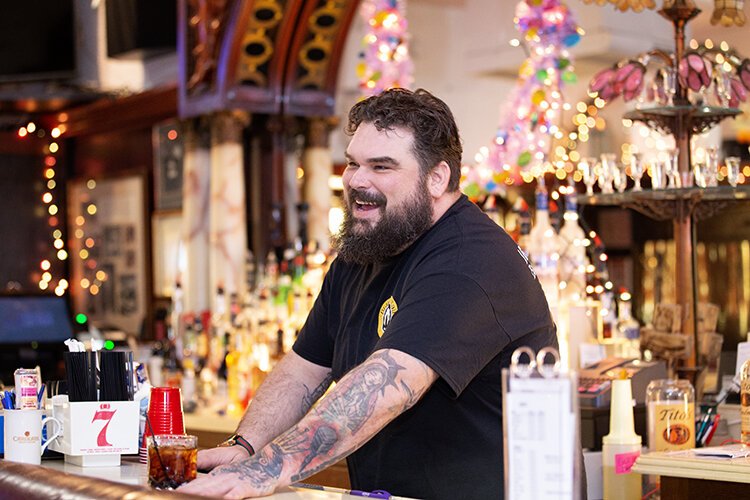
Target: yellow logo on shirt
{"points": [[387, 311]]}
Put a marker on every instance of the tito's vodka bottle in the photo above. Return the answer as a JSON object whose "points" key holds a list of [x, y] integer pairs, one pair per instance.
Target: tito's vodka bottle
{"points": [[544, 248]]}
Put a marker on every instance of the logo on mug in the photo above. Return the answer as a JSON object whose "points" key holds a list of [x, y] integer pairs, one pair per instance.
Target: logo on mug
{"points": [[27, 438]]}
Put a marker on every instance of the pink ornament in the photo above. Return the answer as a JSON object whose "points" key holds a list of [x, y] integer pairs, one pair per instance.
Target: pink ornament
{"points": [[694, 72], [603, 83], [744, 73], [738, 92], [629, 79]]}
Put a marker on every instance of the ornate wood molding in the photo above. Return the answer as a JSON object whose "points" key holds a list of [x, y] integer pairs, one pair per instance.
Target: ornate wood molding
{"points": [[262, 56]]}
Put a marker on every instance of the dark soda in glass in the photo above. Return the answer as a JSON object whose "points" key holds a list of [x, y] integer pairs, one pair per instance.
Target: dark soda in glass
{"points": [[176, 462]]}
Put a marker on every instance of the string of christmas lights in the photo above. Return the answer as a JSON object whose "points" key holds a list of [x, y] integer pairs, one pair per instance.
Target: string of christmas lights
{"points": [[92, 278], [522, 143], [50, 276], [384, 61]]}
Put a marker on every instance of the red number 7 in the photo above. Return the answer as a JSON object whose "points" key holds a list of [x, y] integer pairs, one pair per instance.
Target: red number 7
{"points": [[101, 439]]}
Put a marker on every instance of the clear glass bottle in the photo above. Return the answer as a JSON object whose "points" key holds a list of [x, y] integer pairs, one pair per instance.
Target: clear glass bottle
{"points": [[627, 326], [671, 415], [544, 247], [573, 260], [745, 402]]}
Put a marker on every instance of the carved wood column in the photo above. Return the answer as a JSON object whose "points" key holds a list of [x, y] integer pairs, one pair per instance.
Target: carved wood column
{"points": [[266, 199]]}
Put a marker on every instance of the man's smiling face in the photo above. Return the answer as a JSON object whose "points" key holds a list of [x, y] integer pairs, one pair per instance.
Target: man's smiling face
{"points": [[386, 202]]}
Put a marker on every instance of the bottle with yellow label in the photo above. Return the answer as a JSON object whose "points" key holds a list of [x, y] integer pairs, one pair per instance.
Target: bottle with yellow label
{"points": [[745, 402], [671, 415]]}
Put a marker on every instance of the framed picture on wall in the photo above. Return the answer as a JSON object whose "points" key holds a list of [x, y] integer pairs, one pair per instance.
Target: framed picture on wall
{"points": [[169, 153], [106, 218]]}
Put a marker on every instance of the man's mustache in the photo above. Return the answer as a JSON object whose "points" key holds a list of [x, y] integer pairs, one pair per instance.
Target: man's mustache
{"points": [[365, 196]]}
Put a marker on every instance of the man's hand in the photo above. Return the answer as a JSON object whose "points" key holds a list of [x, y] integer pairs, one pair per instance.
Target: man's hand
{"points": [[222, 455], [252, 477]]}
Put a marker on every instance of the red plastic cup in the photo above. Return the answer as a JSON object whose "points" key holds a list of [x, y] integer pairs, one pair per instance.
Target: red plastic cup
{"points": [[165, 399], [164, 414]]}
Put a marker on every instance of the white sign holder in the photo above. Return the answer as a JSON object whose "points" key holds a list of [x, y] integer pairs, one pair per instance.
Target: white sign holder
{"points": [[96, 433], [540, 428]]}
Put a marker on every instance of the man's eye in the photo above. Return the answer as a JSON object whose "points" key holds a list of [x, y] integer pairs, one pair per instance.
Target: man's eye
{"points": [[351, 164], [379, 167]]}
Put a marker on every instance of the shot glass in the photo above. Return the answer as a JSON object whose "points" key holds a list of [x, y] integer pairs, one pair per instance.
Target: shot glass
{"points": [[172, 460]]}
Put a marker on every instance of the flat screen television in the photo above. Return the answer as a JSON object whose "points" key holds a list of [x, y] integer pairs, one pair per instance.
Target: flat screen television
{"points": [[32, 331], [37, 40]]}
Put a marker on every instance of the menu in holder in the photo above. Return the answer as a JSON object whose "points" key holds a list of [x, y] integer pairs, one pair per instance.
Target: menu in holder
{"points": [[540, 426]]}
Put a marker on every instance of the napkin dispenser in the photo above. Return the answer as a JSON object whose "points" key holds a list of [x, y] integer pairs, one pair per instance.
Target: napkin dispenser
{"points": [[96, 433]]}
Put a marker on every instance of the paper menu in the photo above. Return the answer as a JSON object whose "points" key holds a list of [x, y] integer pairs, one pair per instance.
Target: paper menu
{"points": [[541, 438]]}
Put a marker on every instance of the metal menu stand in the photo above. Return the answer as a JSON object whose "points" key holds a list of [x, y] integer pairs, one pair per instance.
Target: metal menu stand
{"points": [[540, 428]]}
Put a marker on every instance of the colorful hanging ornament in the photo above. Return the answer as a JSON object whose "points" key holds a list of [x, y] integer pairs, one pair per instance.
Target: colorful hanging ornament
{"points": [[531, 117], [384, 60]]}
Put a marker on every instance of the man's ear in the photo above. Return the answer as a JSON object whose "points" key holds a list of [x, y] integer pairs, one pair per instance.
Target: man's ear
{"points": [[438, 179]]}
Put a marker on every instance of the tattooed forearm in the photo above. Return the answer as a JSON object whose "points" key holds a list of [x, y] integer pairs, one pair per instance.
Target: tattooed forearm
{"points": [[303, 474], [260, 469], [311, 397], [362, 403], [352, 406]]}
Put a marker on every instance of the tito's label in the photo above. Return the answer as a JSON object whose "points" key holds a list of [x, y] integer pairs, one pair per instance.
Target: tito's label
{"points": [[745, 409], [674, 426]]}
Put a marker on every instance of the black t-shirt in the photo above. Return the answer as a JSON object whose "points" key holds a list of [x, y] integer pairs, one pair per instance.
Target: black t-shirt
{"points": [[461, 299]]}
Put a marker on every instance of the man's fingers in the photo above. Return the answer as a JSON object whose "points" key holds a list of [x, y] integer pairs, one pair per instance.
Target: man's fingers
{"points": [[214, 457], [208, 486]]}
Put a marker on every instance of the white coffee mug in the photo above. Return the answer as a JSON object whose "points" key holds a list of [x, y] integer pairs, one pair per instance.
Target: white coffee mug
{"points": [[23, 435]]}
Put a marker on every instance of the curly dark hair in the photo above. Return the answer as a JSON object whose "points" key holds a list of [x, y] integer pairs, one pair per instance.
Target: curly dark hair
{"points": [[435, 131]]}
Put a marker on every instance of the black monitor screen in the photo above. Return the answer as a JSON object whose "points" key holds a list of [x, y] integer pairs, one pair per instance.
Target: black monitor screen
{"points": [[37, 40], [42, 319]]}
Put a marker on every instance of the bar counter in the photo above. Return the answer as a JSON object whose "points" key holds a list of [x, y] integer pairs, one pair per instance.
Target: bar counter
{"points": [[57, 479]]}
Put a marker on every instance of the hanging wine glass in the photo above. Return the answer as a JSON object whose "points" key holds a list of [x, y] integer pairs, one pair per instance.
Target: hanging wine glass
{"points": [[669, 81], [672, 169], [587, 166], [733, 169], [620, 176], [636, 170], [712, 166], [607, 174]]}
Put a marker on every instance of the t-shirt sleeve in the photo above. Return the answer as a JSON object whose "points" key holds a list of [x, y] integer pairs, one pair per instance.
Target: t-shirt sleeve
{"points": [[315, 339], [447, 322]]}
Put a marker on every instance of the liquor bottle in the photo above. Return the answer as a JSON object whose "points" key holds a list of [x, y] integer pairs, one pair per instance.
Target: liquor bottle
{"points": [[627, 326], [492, 210], [745, 402], [523, 226], [573, 260], [609, 315], [671, 415], [543, 247]]}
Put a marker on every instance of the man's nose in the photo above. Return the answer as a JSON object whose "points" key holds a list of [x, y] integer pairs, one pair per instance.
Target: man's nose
{"points": [[359, 179]]}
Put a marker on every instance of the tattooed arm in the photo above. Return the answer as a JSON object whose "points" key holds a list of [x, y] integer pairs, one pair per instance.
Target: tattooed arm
{"points": [[284, 397], [388, 383]]}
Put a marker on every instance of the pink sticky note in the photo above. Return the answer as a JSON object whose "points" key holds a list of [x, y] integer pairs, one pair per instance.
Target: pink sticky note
{"points": [[624, 461]]}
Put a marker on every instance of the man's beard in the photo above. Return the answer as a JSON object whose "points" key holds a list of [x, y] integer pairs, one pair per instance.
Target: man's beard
{"points": [[396, 229]]}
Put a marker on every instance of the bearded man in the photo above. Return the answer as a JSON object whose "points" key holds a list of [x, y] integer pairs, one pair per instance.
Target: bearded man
{"points": [[419, 313]]}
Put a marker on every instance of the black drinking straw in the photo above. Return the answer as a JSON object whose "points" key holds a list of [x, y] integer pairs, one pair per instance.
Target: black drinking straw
{"points": [[171, 483]]}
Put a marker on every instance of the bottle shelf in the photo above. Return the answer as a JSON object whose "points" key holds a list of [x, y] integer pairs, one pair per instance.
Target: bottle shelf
{"points": [[665, 119], [672, 203]]}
